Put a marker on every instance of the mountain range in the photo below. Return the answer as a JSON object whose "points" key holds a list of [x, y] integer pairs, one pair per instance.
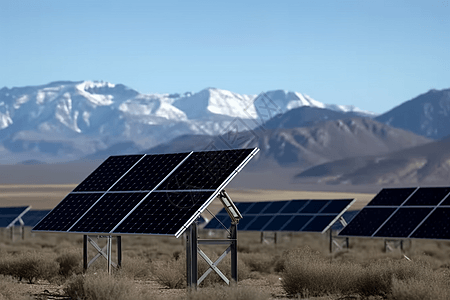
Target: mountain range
{"points": [[322, 143]]}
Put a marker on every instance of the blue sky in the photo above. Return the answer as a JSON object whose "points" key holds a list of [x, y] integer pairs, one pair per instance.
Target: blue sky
{"points": [[372, 54]]}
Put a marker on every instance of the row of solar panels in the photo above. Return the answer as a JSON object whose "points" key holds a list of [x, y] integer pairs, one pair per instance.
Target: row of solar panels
{"points": [[9, 216]]}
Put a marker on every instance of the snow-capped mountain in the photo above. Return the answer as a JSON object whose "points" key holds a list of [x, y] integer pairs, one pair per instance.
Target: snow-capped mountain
{"points": [[66, 120]]}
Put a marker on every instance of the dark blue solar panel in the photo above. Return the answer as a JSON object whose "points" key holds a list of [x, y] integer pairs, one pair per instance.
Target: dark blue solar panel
{"points": [[163, 213], [149, 172], [205, 170], [216, 223], [319, 223], [391, 197], [336, 206], [32, 217], [67, 212], [275, 207], [107, 212], [257, 208], [277, 223], [243, 206], [436, 226], [367, 221], [297, 223], [428, 196], [244, 222], [314, 206], [9, 214], [108, 173], [403, 222], [294, 206], [259, 223]]}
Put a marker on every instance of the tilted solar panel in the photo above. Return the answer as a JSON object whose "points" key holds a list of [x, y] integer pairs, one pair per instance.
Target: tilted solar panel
{"points": [[165, 193], [404, 213], [293, 215], [10, 215]]}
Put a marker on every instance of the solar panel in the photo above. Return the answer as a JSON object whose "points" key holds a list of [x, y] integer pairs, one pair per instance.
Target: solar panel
{"points": [[146, 194], [404, 213], [10, 215], [32, 217], [293, 215]]}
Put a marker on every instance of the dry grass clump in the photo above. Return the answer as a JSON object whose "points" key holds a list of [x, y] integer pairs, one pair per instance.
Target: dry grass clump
{"points": [[171, 273], [308, 274], [220, 292], [8, 290], [135, 268], [30, 266], [70, 263], [430, 287], [101, 286], [260, 262]]}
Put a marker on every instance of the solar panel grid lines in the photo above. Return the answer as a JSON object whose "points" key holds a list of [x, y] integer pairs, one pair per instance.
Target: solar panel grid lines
{"points": [[116, 192], [108, 173], [414, 213], [292, 215], [10, 215]]}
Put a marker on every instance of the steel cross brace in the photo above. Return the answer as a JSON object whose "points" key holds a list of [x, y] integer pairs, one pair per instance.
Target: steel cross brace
{"points": [[213, 265], [105, 252]]}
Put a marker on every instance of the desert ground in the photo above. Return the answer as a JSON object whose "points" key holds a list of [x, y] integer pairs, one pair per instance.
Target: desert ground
{"points": [[154, 267]]}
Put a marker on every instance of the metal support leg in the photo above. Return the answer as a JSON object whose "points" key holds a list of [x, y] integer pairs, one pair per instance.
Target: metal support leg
{"points": [[233, 245], [119, 251], [331, 240], [108, 252], [85, 252], [191, 256], [12, 233]]}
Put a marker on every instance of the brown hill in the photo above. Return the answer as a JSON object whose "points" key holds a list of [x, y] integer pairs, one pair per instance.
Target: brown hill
{"points": [[426, 164]]}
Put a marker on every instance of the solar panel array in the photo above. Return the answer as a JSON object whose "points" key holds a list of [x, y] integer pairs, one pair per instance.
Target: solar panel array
{"points": [[32, 217], [404, 213], [10, 215], [159, 194], [293, 215]]}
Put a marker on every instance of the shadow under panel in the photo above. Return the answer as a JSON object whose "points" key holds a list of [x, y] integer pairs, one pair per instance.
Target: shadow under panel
{"points": [[108, 212], [67, 212]]}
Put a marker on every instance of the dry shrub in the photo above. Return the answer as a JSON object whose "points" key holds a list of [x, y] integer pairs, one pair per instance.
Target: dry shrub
{"points": [[260, 262], [227, 292], [171, 274], [8, 290], [29, 266], [426, 288], [101, 286], [134, 267], [69, 263]]}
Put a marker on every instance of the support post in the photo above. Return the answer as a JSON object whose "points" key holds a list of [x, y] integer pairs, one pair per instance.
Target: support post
{"points": [[233, 245], [85, 252], [191, 257], [22, 231], [12, 233], [119, 251], [331, 240], [108, 252]]}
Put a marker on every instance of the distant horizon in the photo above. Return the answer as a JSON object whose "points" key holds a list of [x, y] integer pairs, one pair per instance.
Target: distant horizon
{"points": [[370, 54]]}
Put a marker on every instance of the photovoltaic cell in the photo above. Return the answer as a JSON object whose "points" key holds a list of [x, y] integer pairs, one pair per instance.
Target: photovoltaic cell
{"points": [[336, 207], [163, 213], [427, 196], [313, 207], [367, 221], [391, 197], [275, 207], [205, 170], [107, 212], [277, 223], [242, 207], [150, 171], [318, 223], [403, 222], [257, 208], [436, 226], [259, 223], [297, 223], [294, 206], [67, 212], [32, 217], [107, 173], [415, 213]]}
